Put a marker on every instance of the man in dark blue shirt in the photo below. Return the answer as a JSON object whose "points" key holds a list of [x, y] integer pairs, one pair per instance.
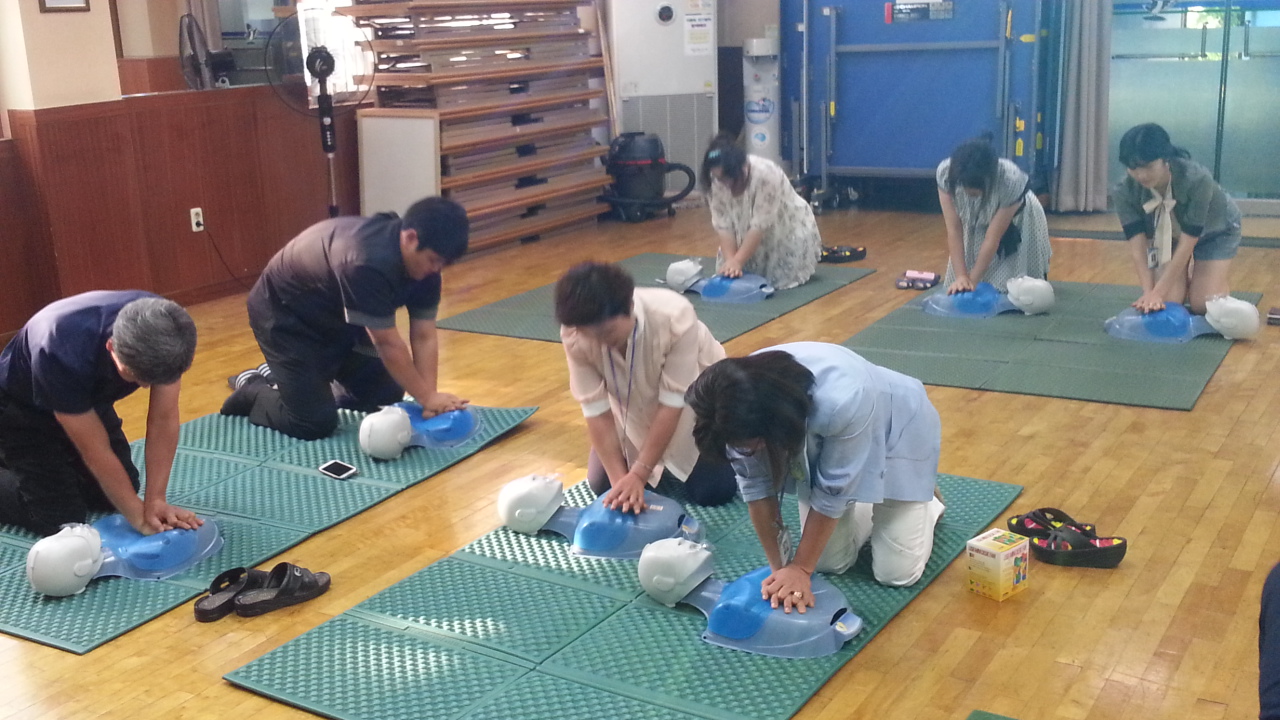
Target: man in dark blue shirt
{"points": [[63, 452], [324, 315]]}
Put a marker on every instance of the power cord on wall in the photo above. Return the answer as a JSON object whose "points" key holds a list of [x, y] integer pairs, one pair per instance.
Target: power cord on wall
{"points": [[200, 225]]}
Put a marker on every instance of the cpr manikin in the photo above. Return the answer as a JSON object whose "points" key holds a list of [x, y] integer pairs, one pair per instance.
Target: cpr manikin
{"points": [[1031, 296], [63, 564], [1234, 318], [536, 502], [385, 434], [687, 276], [676, 570]]}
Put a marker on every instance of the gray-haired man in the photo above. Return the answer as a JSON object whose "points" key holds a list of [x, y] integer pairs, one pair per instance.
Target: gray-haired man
{"points": [[63, 452]]}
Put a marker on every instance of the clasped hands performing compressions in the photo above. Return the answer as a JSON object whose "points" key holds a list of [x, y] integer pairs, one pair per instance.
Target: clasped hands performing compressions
{"points": [[788, 587]]}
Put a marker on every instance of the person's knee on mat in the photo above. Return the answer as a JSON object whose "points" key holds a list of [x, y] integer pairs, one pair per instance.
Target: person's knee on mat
{"points": [[312, 429], [710, 494], [900, 578]]}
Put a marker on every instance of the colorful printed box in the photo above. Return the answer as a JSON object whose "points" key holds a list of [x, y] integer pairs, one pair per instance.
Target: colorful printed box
{"points": [[998, 561]]}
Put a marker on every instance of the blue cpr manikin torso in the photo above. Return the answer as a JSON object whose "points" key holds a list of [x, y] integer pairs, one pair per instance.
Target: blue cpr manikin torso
{"points": [[983, 301], [597, 531], [129, 553]]}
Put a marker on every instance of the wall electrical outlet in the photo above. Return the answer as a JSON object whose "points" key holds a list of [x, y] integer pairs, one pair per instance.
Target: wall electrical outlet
{"points": [[197, 220]]}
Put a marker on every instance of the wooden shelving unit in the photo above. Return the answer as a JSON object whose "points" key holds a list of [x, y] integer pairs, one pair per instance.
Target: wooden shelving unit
{"points": [[496, 104]]}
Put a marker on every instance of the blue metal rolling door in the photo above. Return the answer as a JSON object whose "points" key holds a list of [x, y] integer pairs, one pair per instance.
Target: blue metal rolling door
{"points": [[904, 94]]}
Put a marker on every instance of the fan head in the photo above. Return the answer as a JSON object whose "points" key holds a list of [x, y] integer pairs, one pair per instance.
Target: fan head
{"points": [[315, 48]]}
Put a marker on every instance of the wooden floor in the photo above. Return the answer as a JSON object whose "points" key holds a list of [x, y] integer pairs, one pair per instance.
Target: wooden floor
{"points": [[1171, 633]]}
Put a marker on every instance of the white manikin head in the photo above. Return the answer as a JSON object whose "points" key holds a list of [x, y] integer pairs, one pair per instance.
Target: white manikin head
{"points": [[1233, 317], [526, 504], [386, 433], [682, 274], [63, 564], [1032, 295], [670, 568]]}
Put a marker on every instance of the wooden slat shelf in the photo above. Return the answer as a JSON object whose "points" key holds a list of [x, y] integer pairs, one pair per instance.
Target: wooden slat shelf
{"points": [[486, 111], [422, 6], [517, 71], [530, 196], [519, 103], [518, 135], [479, 39], [535, 226], [520, 169]]}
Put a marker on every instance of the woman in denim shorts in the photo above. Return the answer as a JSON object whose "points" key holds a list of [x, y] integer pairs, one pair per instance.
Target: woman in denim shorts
{"points": [[1183, 229]]}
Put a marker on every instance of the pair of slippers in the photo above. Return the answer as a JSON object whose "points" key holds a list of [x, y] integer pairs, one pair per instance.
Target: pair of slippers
{"points": [[250, 592], [917, 280], [1057, 539], [842, 254]]}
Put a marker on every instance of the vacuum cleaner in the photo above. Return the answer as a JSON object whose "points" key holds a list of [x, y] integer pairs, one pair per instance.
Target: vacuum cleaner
{"points": [[638, 164]]}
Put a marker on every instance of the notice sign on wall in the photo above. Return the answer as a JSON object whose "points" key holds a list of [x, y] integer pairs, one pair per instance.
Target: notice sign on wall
{"points": [[699, 27], [912, 11]]}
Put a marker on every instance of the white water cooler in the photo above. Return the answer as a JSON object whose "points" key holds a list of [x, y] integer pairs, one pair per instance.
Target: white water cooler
{"points": [[762, 93]]}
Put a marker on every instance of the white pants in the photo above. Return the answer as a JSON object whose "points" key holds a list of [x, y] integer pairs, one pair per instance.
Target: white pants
{"points": [[901, 536]]}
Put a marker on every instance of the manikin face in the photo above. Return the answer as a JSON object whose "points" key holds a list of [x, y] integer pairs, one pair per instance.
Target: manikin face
{"points": [[1153, 175], [669, 569]]}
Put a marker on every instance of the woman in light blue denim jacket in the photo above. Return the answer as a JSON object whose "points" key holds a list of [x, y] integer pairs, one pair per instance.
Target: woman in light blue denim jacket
{"points": [[858, 443]]}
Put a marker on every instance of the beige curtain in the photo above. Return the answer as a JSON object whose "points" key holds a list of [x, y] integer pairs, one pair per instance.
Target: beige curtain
{"points": [[1081, 182], [206, 11]]}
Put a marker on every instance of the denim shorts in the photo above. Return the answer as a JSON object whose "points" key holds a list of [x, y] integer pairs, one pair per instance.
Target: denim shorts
{"points": [[1221, 246]]}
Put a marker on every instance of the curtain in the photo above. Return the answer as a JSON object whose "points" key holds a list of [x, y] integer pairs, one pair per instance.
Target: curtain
{"points": [[1081, 181]]}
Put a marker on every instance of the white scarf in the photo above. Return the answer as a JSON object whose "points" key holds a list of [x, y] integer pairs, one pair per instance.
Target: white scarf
{"points": [[1162, 206]]}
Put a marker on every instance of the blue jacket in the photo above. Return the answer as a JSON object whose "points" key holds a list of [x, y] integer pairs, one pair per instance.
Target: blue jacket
{"points": [[872, 435]]}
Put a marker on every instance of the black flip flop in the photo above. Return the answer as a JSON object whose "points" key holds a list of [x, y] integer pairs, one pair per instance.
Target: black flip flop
{"points": [[842, 254], [223, 591], [1039, 523], [287, 585], [1068, 545]]}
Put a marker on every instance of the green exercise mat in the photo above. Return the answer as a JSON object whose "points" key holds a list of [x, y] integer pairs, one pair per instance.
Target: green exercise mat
{"points": [[984, 715], [264, 491], [531, 314], [1064, 353], [540, 634]]}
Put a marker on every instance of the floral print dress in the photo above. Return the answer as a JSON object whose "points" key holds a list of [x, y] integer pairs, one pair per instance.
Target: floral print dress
{"points": [[791, 247]]}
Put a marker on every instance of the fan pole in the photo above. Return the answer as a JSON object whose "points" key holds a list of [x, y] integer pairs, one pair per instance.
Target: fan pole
{"points": [[320, 64], [329, 143]]}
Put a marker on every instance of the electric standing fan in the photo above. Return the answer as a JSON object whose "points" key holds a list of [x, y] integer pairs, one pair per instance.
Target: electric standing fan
{"points": [[193, 51], [320, 64]]}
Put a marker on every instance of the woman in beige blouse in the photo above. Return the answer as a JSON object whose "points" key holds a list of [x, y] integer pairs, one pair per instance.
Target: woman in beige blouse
{"points": [[632, 353]]}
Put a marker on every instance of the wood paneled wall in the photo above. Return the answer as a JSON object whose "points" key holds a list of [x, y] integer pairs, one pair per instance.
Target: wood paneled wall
{"points": [[26, 262], [150, 75], [113, 184]]}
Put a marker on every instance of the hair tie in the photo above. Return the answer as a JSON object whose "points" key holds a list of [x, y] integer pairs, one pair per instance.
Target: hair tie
{"points": [[713, 154]]}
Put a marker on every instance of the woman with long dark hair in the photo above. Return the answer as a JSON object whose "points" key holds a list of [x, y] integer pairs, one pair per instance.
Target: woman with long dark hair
{"points": [[763, 225], [996, 229], [1183, 230], [856, 442]]}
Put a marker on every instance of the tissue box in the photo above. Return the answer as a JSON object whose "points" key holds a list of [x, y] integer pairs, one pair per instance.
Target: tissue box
{"points": [[998, 561]]}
